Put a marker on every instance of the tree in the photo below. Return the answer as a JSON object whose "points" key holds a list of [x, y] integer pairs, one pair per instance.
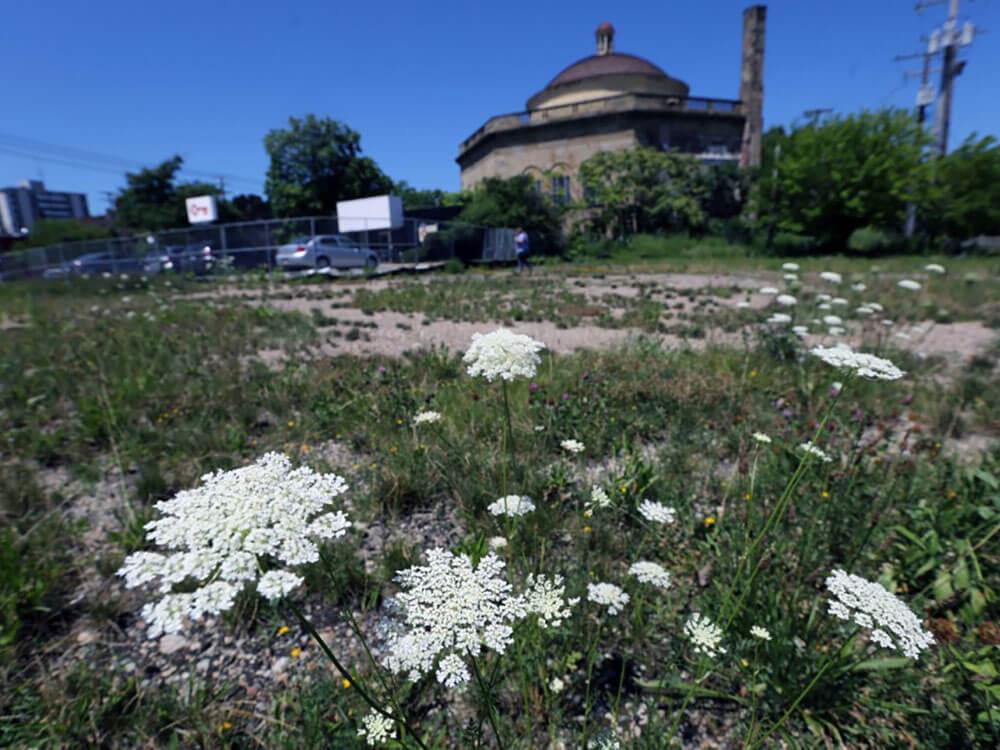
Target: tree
{"points": [[964, 194], [417, 198], [315, 163], [152, 201], [824, 181], [514, 202], [250, 207], [55, 231], [642, 189]]}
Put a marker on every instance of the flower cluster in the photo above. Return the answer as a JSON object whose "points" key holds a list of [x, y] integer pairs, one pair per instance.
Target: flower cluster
{"points": [[452, 610], [652, 573], [786, 299], [865, 365], [598, 498], [760, 437], [934, 268], [427, 417], [546, 598], [909, 284], [512, 505], [657, 512], [762, 633], [503, 354], [226, 533], [572, 446], [377, 728], [832, 277], [812, 450], [705, 635], [607, 595], [869, 605]]}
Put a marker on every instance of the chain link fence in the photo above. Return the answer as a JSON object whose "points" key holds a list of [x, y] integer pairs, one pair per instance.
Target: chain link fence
{"points": [[221, 248]]}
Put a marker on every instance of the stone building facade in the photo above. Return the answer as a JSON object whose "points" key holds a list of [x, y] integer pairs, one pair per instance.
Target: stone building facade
{"points": [[611, 101]]}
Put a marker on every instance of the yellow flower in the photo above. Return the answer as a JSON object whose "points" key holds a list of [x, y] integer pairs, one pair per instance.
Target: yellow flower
{"points": [[952, 494], [753, 373], [825, 495], [399, 421], [305, 447], [393, 449], [588, 513], [748, 496], [710, 521], [291, 423], [296, 652], [282, 630], [744, 663], [346, 683], [225, 726], [587, 529]]}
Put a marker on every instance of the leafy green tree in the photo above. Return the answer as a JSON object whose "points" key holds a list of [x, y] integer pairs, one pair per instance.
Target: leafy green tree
{"points": [[152, 200], [642, 189], [824, 181], [417, 198], [964, 198], [514, 202], [250, 207], [55, 231], [316, 162]]}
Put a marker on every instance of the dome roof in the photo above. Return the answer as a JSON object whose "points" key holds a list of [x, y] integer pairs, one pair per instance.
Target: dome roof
{"points": [[614, 63]]}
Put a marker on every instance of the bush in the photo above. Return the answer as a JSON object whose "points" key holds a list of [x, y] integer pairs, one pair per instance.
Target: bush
{"points": [[872, 241], [790, 243]]}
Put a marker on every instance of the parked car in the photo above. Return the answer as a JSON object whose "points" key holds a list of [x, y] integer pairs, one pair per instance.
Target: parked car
{"points": [[196, 258], [326, 251]]}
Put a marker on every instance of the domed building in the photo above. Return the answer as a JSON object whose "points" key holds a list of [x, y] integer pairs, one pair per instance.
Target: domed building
{"points": [[611, 101]]}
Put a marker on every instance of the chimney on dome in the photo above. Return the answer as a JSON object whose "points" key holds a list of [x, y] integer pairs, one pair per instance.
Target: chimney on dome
{"points": [[605, 38]]}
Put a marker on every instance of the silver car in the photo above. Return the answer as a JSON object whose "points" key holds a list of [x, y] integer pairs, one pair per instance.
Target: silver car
{"points": [[325, 251]]}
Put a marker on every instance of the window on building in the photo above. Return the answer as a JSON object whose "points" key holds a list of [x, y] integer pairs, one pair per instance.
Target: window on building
{"points": [[560, 189]]}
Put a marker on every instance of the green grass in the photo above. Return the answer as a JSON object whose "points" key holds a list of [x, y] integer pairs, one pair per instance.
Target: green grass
{"points": [[158, 402]]}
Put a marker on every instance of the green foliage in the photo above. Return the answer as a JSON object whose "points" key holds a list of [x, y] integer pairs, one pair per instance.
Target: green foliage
{"points": [[964, 198], [497, 202], [828, 180], [872, 241], [316, 162], [56, 231], [642, 190], [418, 198]]}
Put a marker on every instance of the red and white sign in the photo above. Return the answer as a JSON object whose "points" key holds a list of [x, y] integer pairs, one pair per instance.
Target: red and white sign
{"points": [[202, 209]]}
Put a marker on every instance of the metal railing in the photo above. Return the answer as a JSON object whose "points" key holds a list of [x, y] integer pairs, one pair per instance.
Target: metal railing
{"points": [[254, 245]]}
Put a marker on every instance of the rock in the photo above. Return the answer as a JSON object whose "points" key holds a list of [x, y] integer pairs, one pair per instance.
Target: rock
{"points": [[202, 666], [172, 643], [279, 666]]}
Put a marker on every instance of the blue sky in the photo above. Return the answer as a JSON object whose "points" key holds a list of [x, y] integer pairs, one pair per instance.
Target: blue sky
{"points": [[141, 81]]}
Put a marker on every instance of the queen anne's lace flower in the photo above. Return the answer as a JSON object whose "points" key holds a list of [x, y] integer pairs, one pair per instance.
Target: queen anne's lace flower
{"points": [[652, 573], [427, 417], [832, 320], [503, 354], [451, 611], [607, 595], [760, 437], [705, 636], [780, 319], [832, 277], [869, 605], [598, 498], [657, 512], [224, 534], [786, 299], [866, 365], [512, 505], [789, 266], [758, 632], [934, 268], [546, 598], [909, 284], [497, 543], [572, 446], [839, 302], [858, 287], [769, 290], [812, 450], [376, 728]]}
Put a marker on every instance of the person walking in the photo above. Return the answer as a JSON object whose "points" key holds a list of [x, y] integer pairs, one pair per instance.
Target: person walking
{"points": [[522, 248]]}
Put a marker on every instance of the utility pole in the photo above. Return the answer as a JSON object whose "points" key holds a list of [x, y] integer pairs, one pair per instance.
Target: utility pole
{"points": [[948, 38], [924, 98], [815, 114]]}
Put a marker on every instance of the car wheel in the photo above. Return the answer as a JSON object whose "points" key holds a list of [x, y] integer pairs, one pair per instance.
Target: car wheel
{"points": [[323, 262]]}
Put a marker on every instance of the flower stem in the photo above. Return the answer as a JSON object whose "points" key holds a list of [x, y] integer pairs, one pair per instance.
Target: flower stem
{"points": [[488, 699], [510, 428]]}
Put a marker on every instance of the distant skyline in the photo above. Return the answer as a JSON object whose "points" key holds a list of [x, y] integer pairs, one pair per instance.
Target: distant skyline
{"points": [[140, 82]]}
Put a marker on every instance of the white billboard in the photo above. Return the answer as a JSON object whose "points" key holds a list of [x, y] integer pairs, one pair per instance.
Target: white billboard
{"points": [[201, 209], [377, 212]]}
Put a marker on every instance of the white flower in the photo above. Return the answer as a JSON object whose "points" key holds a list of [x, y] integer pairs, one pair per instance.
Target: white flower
{"points": [[651, 573], [902, 335], [888, 323], [607, 595], [377, 728], [874, 306], [224, 534], [836, 387], [769, 290], [786, 299], [864, 310], [832, 320], [836, 331], [823, 306], [823, 298], [831, 276], [791, 278], [427, 417], [512, 505], [556, 685], [742, 305], [859, 287], [780, 319], [572, 446], [598, 498], [607, 742], [503, 354], [789, 266], [934, 268], [910, 284], [497, 543], [839, 302], [705, 636], [869, 605], [452, 611], [760, 437], [546, 598], [657, 512], [866, 365], [758, 632], [800, 331], [812, 450]]}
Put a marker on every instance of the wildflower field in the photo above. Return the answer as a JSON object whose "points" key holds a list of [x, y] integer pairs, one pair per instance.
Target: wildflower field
{"points": [[586, 508]]}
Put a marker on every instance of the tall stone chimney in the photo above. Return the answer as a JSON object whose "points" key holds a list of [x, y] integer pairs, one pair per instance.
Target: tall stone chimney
{"points": [[752, 84]]}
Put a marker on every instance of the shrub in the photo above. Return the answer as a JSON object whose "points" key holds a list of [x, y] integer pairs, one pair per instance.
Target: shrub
{"points": [[873, 240]]}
